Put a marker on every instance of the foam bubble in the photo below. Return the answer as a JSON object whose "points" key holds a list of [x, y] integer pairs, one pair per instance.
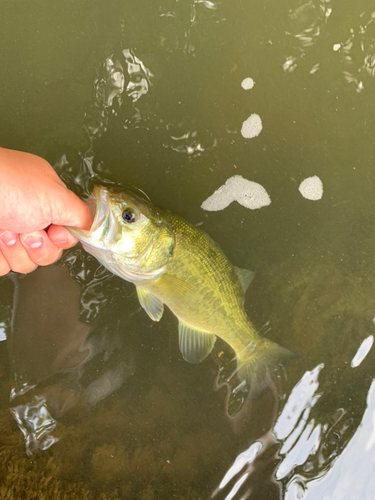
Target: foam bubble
{"points": [[252, 127], [221, 198], [247, 83], [311, 188], [247, 193]]}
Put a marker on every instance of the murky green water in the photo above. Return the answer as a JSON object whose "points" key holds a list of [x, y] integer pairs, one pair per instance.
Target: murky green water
{"points": [[149, 94]]}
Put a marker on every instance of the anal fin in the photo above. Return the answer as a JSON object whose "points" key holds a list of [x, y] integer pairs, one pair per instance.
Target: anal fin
{"points": [[151, 304], [195, 345]]}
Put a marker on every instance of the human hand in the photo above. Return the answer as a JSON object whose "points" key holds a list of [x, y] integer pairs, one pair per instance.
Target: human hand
{"points": [[34, 205]]}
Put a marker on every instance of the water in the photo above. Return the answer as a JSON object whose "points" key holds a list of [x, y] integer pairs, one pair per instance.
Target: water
{"points": [[149, 94]]}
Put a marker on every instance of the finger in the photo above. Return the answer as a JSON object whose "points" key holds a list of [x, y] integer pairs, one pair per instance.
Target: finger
{"points": [[15, 254], [4, 266], [40, 248], [61, 237]]}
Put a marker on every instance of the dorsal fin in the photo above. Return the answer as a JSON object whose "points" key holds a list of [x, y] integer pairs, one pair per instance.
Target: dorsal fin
{"points": [[151, 304], [195, 345], [246, 277]]}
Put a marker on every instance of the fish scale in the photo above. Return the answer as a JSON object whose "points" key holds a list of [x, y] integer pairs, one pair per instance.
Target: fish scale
{"points": [[213, 299]]}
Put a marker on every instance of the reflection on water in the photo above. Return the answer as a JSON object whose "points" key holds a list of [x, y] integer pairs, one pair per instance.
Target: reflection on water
{"points": [[150, 95], [48, 339], [340, 482], [362, 352], [36, 424], [307, 21], [292, 427]]}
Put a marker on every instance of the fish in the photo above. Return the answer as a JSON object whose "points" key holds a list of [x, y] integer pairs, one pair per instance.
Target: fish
{"points": [[173, 263]]}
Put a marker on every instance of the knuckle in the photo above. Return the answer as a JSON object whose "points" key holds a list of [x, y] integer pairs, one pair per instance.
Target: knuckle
{"points": [[49, 258]]}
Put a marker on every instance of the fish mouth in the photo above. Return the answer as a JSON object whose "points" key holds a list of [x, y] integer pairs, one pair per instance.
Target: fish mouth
{"points": [[114, 248], [99, 207]]}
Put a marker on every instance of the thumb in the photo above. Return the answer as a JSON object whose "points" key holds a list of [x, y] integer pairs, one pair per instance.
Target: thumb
{"points": [[73, 212]]}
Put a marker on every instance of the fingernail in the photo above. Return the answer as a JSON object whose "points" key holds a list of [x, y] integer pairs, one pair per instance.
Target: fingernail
{"points": [[8, 238], [60, 241], [33, 241]]}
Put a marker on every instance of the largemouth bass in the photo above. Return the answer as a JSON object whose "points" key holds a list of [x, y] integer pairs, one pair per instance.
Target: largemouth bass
{"points": [[174, 263]]}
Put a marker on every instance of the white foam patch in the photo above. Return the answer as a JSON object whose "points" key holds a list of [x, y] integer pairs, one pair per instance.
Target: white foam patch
{"points": [[252, 127], [247, 83], [311, 188], [247, 193]]}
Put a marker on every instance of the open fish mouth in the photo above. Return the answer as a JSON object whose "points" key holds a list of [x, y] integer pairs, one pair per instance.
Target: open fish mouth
{"points": [[99, 206]]}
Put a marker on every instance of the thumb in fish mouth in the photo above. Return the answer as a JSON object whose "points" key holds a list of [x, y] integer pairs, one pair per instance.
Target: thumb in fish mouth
{"points": [[76, 214], [247, 193], [96, 206], [72, 212]]}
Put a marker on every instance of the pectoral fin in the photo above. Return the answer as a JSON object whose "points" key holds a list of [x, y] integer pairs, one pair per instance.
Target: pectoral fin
{"points": [[195, 345], [179, 287], [246, 277], [151, 304]]}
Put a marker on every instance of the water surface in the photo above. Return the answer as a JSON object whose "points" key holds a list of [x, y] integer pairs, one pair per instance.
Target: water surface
{"points": [[96, 400]]}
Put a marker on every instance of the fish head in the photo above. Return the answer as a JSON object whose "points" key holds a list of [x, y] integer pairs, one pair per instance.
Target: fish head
{"points": [[128, 235]]}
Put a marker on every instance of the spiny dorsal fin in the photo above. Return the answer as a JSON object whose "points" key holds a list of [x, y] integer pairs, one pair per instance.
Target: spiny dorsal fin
{"points": [[195, 345], [151, 304], [246, 277]]}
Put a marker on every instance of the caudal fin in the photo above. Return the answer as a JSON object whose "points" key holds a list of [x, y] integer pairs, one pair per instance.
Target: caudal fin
{"points": [[257, 365]]}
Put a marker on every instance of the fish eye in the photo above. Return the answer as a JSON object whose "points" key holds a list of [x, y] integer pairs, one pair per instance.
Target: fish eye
{"points": [[128, 216]]}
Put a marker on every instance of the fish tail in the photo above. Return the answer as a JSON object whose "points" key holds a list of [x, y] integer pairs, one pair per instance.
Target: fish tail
{"points": [[258, 362]]}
